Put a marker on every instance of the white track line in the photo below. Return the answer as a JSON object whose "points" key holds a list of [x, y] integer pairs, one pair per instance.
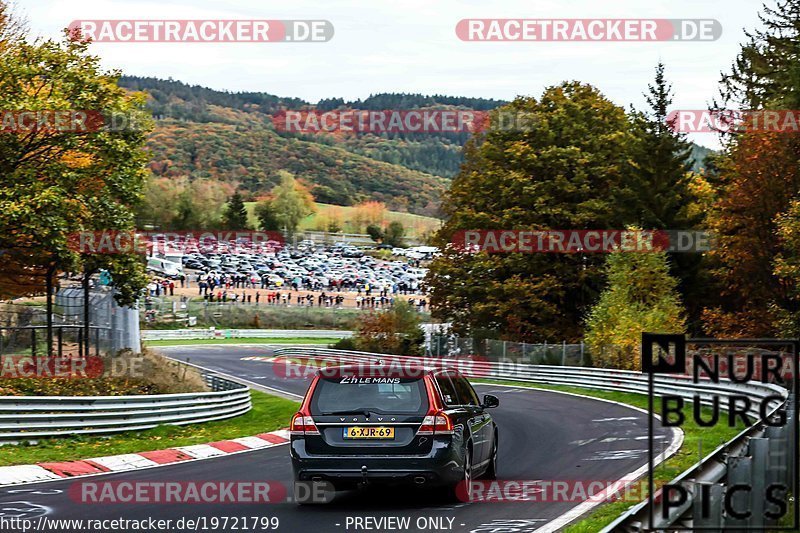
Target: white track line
{"points": [[559, 523]]}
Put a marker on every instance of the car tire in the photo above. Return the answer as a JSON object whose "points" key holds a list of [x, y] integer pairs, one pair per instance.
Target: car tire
{"points": [[454, 492]]}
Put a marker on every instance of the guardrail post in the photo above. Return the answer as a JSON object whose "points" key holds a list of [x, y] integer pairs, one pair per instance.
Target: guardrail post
{"points": [[777, 471], [739, 473], [707, 510], [759, 450]]}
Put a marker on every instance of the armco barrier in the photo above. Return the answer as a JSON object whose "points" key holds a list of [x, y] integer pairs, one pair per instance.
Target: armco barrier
{"points": [[753, 455], [29, 417], [190, 334]]}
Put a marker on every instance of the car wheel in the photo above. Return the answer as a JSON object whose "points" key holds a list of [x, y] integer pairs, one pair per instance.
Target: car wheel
{"points": [[467, 478], [491, 470]]}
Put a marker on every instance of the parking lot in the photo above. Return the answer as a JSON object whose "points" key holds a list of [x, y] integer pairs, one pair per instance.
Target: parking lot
{"points": [[337, 268]]}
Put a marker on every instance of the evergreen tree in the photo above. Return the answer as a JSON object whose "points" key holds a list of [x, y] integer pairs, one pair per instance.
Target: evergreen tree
{"points": [[235, 216], [766, 73], [663, 161]]}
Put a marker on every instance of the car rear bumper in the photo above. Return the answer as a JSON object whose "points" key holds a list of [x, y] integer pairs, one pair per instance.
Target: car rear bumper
{"points": [[444, 465]]}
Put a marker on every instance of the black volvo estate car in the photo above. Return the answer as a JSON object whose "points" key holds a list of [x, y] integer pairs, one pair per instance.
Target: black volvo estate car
{"points": [[389, 427]]}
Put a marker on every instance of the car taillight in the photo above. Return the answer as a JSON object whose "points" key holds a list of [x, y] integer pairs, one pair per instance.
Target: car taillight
{"points": [[303, 424], [436, 423]]}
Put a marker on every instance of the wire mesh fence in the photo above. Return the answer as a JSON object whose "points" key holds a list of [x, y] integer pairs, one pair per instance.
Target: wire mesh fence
{"points": [[24, 331], [164, 313], [67, 341], [562, 354]]}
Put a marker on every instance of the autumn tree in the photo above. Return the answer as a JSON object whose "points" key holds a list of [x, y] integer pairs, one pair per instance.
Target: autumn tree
{"points": [[334, 224], [162, 200], [291, 201], [368, 213], [209, 198], [391, 331], [55, 181], [178, 203], [12, 28], [641, 296], [570, 168], [757, 181], [787, 270]]}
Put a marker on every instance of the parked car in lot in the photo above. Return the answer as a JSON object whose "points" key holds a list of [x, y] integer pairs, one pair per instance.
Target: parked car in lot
{"points": [[391, 426]]}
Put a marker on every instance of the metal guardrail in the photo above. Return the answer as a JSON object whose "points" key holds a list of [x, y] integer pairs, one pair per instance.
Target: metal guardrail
{"points": [[189, 334], [28, 417], [755, 455]]}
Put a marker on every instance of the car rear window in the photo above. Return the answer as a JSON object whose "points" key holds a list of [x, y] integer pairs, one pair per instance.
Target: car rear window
{"points": [[349, 395]]}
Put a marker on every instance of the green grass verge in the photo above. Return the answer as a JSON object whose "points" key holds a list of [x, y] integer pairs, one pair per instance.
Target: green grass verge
{"points": [[246, 340], [268, 414], [688, 455]]}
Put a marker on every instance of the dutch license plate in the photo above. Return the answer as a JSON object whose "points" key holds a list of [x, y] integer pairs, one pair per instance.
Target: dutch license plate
{"points": [[368, 432]]}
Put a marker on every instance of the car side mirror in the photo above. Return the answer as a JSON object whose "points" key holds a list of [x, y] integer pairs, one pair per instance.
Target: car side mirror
{"points": [[490, 401]]}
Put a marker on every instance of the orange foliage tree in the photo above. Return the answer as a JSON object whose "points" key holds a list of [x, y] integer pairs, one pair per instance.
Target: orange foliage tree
{"points": [[759, 177]]}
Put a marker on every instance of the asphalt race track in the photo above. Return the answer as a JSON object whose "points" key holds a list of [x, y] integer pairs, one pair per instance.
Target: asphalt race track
{"points": [[543, 436]]}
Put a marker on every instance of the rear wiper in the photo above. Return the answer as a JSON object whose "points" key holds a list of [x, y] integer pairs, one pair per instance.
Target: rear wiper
{"points": [[359, 411]]}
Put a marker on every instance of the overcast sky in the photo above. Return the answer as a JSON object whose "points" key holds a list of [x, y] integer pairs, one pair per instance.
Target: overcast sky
{"points": [[411, 46]]}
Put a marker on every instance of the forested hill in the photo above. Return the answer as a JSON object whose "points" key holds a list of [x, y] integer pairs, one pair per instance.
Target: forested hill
{"points": [[202, 132], [431, 153]]}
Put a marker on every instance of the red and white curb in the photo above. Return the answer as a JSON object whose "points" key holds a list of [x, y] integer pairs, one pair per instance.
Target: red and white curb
{"points": [[14, 475]]}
